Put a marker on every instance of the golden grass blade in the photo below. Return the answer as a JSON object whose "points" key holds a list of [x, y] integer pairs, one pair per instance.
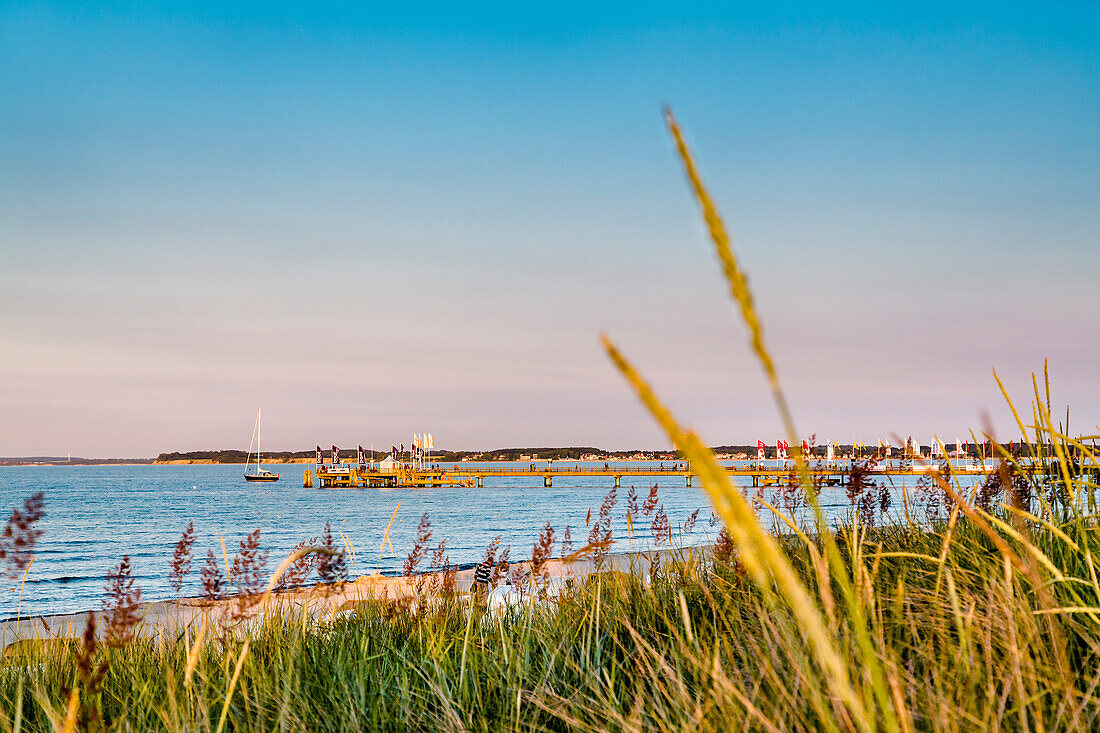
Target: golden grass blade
{"points": [[290, 560], [912, 555], [1049, 526], [1056, 445], [69, 724], [22, 584], [759, 553], [386, 535], [738, 283], [193, 653], [786, 520], [739, 289], [232, 685], [225, 556], [1011, 406], [1028, 546], [587, 550], [1090, 610]]}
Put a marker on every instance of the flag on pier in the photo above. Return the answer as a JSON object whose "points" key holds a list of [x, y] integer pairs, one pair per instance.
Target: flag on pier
{"points": [[805, 449], [393, 451], [362, 458], [335, 455], [431, 442], [320, 456], [759, 450]]}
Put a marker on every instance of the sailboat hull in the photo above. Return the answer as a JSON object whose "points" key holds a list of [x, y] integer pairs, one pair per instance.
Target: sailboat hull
{"points": [[261, 477]]}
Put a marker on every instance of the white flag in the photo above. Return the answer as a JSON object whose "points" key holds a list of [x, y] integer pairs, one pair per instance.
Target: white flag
{"points": [[431, 442]]}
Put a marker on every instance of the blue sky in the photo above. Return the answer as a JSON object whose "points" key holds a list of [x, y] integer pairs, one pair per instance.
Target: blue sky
{"points": [[374, 220]]}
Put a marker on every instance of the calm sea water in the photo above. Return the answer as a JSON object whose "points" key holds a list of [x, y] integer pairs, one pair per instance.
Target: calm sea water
{"points": [[97, 514]]}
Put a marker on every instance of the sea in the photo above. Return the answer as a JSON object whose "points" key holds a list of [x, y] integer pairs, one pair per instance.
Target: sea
{"points": [[95, 515]]}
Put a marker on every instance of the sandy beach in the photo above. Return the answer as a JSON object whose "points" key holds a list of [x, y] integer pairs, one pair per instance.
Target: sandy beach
{"points": [[171, 618]]}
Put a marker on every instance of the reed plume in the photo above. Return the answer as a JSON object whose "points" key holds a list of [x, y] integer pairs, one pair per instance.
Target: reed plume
{"points": [[632, 501], [439, 553], [438, 563], [650, 502], [181, 559], [689, 525], [248, 576], [21, 533], [120, 607], [491, 552], [213, 580], [89, 676], [723, 546], [420, 546], [540, 553], [600, 535], [566, 541], [661, 527], [299, 571], [870, 498], [332, 569], [448, 583]]}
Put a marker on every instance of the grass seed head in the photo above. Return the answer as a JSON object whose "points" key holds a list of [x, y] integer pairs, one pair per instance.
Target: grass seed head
{"points": [[21, 533], [120, 607], [213, 579], [181, 559]]}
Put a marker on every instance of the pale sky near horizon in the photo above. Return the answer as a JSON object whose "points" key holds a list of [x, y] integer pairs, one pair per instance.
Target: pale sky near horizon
{"points": [[374, 221]]}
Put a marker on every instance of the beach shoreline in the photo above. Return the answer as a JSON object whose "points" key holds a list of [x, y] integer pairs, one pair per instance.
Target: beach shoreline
{"points": [[172, 617]]}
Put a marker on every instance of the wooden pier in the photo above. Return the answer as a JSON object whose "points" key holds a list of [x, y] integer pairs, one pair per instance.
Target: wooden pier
{"points": [[412, 476]]}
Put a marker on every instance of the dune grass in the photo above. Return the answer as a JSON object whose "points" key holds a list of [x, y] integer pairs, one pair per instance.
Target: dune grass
{"points": [[986, 617], [964, 638]]}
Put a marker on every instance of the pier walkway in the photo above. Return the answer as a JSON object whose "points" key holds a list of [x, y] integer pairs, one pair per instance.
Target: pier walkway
{"points": [[410, 475]]}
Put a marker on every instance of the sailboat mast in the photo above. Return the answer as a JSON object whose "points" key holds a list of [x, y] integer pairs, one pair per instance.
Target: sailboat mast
{"points": [[258, 412]]}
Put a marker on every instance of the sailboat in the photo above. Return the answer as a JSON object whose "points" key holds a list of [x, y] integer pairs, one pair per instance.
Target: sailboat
{"points": [[259, 474]]}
